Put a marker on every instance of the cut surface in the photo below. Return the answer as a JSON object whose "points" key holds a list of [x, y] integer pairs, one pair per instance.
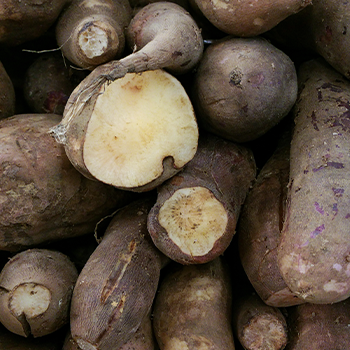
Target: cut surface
{"points": [[30, 299], [137, 122], [264, 332], [194, 220]]}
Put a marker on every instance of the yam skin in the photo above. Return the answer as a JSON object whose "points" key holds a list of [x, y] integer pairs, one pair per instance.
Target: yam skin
{"points": [[192, 309], [43, 197], [134, 134], [313, 254], [248, 18], [195, 216], [22, 21], [91, 32], [260, 225], [163, 35], [315, 326], [258, 326], [36, 287], [116, 288], [48, 83], [320, 29], [7, 94], [243, 87]]}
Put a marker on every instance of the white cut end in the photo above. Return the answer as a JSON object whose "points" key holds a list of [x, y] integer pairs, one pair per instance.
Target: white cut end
{"points": [[138, 121], [30, 299], [194, 220], [93, 41]]}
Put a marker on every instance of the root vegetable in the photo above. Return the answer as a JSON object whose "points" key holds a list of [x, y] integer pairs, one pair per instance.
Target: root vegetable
{"points": [[323, 327], [48, 82], [314, 251], [36, 286], [134, 133], [116, 288], [192, 309], [43, 198], [243, 87], [260, 226], [259, 326], [195, 216], [22, 21], [91, 32], [7, 94], [248, 18]]}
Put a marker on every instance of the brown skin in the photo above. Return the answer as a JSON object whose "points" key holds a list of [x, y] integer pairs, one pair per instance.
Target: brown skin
{"points": [[260, 227], [91, 32], [323, 327], [116, 288], [195, 216], [155, 35], [248, 18], [259, 326], [192, 309], [321, 29], [243, 87], [137, 132], [143, 339], [313, 254], [48, 82], [36, 286], [22, 21], [7, 94], [40, 190]]}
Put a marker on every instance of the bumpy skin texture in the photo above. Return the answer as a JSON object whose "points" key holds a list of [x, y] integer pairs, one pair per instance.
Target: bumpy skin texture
{"points": [[314, 252], [21, 21], [227, 170], [43, 197], [243, 87], [43, 268], [323, 327], [7, 94], [109, 17], [116, 288], [248, 18], [260, 228], [192, 309]]}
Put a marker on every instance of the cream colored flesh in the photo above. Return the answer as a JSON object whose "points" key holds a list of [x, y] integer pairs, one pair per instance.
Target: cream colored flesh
{"points": [[194, 220], [138, 121], [30, 299]]}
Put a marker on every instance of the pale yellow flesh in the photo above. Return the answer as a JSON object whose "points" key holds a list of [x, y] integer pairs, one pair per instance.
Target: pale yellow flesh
{"points": [[138, 121], [194, 220], [30, 299]]}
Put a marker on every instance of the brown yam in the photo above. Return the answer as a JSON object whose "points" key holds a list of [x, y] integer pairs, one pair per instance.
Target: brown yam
{"points": [[321, 327], [7, 94], [243, 87], [195, 216], [92, 32], [43, 198], [36, 287], [134, 134], [116, 288], [248, 18], [192, 309], [258, 326], [314, 252], [260, 226]]}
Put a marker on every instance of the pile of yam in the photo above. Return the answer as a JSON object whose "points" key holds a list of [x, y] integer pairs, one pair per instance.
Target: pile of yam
{"points": [[173, 175]]}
